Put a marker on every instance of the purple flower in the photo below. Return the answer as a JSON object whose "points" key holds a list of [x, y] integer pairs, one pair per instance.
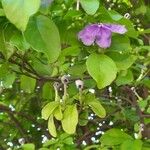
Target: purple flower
{"points": [[100, 34]]}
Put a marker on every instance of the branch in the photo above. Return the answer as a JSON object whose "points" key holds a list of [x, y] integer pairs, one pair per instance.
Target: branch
{"points": [[16, 122]]}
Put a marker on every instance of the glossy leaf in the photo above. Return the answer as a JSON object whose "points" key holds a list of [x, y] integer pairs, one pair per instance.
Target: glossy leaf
{"points": [[104, 70]]}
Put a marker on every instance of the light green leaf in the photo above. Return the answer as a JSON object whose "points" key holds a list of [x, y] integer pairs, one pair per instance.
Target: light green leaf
{"points": [[70, 51], [70, 119], [18, 12], [27, 84], [97, 108], [102, 69], [114, 137], [45, 37], [48, 109], [124, 77], [51, 126], [90, 6], [9, 80], [115, 15], [58, 113], [28, 146], [131, 145]]}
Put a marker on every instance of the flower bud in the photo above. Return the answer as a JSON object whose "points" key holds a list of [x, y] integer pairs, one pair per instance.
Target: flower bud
{"points": [[56, 85], [79, 84], [64, 79]]}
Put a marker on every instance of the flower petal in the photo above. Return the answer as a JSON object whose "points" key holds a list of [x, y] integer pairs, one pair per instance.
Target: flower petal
{"points": [[116, 28], [103, 38], [88, 34]]}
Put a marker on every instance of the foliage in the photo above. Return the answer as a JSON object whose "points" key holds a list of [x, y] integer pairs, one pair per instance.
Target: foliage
{"points": [[57, 92]]}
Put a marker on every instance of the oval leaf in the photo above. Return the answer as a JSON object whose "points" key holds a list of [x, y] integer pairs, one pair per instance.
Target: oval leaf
{"points": [[45, 37], [18, 12], [48, 109], [70, 119], [114, 137], [51, 126], [97, 108], [102, 69], [90, 6]]}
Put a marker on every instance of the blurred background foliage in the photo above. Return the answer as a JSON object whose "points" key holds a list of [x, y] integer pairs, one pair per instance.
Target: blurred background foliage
{"points": [[31, 61]]}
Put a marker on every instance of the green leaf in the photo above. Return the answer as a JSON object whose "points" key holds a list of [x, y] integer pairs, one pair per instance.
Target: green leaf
{"points": [[77, 70], [114, 137], [120, 43], [102, 69], [90, 6], [83, 118], [41, 68], [97, 108], [70, 51], [51, 126], [123, 61], [124, 77], [48, 109], [9, 80], [2, 13], [115, 15], [48, 91], [18, 12], [70, 119], [58, 113], [46, 35], [132, 145], [18, 41], [28, 146], [27, 84]]}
